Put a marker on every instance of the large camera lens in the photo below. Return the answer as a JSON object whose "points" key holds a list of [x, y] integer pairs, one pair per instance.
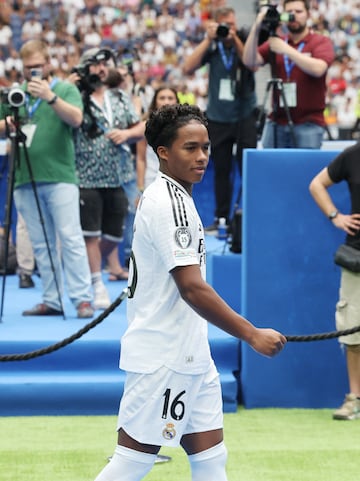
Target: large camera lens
{"points": [[287, 17], [222, 31], [16, 97]]}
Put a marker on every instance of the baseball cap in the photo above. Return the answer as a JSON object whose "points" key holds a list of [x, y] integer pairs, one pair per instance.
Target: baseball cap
{"points": [[95, 55]]}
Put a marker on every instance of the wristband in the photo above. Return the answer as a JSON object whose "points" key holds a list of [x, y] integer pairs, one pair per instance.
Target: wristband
{"points": [[333, 214], [53, 100]]}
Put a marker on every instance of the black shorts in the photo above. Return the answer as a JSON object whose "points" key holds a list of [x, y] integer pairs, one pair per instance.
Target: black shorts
{"points": [[103, 212]]}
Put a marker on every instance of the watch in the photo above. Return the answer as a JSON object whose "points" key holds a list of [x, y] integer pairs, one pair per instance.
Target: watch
{"points": [[53, 100], [333, 214]]}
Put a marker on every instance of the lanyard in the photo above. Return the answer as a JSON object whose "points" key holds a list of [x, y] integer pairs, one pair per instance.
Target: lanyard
{"points": [[33, 108], [107, 108], [289, 66], [227, 61]]}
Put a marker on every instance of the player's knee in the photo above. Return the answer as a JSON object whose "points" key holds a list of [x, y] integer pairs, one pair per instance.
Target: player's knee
{"points": [[209, 464], [127, 465]]}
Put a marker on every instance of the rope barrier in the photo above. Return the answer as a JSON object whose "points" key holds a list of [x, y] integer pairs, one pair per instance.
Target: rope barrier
{"points": [[68, 340], [323, 336], [117, 302]]}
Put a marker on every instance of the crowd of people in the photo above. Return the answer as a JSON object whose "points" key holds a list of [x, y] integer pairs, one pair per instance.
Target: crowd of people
{"points": [[154, 37]]}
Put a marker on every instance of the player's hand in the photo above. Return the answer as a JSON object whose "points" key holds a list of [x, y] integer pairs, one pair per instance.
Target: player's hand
{"points": [[268, 342]]}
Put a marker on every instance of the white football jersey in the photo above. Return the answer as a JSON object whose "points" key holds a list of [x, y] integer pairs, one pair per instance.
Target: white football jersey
{"points": [[163, 330]]}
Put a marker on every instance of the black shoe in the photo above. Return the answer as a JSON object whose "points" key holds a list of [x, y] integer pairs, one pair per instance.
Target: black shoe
{"points": [[25, 281], [42, 310]]}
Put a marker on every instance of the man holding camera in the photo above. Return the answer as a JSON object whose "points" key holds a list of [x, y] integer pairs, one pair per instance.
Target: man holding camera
{"points": [[231, 102], [104, 163], [46, 192], [299, 62]]}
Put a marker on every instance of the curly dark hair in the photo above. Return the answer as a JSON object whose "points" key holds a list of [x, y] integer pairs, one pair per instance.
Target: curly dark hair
{"points": [[163, 124]]}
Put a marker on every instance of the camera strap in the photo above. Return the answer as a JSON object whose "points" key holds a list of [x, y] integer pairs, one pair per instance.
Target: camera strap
{"points": [[289, 66], [227, 61]]}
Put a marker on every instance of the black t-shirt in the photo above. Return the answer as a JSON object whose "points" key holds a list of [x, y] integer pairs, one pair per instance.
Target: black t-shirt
{"points": [[346, 166]]}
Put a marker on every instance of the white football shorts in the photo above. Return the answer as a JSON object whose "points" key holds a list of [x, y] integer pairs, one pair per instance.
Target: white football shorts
{"points": [[159, 408]]}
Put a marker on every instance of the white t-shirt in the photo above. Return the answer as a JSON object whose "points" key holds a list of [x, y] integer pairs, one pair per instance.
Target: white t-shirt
{"points": [[163, 329]]}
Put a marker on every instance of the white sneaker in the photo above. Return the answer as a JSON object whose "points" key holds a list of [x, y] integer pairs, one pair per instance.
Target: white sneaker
{"points": [[349, 410], [101, 296]]}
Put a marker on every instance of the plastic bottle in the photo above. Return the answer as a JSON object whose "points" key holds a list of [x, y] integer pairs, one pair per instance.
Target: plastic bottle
{"points": [[222, 229]]}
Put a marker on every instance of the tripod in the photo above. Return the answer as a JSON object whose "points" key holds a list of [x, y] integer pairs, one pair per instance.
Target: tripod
{"points": [[18, 137], [276, 84]]}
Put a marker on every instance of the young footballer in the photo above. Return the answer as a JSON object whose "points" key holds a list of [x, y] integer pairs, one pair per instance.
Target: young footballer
{"points": [[172, 393]]}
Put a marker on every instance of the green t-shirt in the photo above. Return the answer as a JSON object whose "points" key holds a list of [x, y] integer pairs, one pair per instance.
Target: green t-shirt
{"points": [[51, 153]]}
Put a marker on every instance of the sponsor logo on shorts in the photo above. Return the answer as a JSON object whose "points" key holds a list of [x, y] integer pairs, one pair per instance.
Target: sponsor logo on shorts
{"points": [[183, 237], [169, 431]]}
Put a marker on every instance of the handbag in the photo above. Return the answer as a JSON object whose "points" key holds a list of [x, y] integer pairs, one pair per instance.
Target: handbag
{"points": [[348, 257]]}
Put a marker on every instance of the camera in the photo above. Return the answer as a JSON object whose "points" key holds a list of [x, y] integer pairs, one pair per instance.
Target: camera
{"points": [[273, 19], [88, 82], [36, 73], [12, 97], [222, 31]]}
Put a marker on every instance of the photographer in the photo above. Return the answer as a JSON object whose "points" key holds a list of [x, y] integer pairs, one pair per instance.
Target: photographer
{"points": [[231, 102], [104, 163], [50, 111], [300, 60]]}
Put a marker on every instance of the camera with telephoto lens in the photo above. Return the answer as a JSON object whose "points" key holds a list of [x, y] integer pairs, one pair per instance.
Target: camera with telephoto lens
{"points": [[222, 30], [87, 82], [12, 97], [273, 19]]}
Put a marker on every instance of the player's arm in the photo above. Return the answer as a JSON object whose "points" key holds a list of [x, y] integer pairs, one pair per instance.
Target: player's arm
{"points": [[209, 305]]}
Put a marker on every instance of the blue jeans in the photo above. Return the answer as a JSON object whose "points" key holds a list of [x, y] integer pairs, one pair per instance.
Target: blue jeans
{"points": [[59, 206], [307, 136]]}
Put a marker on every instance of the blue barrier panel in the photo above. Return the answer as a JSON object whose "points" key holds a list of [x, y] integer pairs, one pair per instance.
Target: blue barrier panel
{"points": [[289, 280]]}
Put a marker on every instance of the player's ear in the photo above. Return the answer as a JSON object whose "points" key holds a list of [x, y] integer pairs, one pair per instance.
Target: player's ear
{"points": [[162, 152]]}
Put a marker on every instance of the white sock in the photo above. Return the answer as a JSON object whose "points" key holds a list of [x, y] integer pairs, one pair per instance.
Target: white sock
{"points": [[96, 278], [210, 464], [127, 465]]}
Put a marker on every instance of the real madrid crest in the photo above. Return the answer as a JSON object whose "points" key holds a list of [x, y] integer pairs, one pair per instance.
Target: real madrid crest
{"points": [[169, 431], [183, 237]]}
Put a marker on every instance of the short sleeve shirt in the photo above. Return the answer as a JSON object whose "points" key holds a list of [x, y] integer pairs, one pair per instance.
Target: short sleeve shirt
{"points": [[100, 163], [163, 329], [346, 166]]}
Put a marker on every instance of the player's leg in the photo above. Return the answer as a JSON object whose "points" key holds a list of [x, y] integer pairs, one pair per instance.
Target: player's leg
{"points": [[203, 437], [208, 463], [127, 463]]}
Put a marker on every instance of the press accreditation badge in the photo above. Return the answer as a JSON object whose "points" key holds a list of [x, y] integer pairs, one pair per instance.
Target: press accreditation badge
{"points": [[29, 131], [225, 90], [289, 89]]}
